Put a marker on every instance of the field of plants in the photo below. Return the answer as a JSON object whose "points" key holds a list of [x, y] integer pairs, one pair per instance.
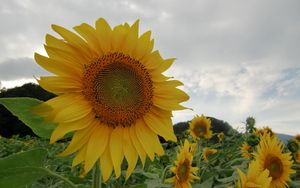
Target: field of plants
{"points": [[216, 169]]}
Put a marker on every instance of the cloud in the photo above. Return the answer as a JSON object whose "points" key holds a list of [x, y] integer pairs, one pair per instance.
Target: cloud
{"points": [[20, 68], [236, 58]]}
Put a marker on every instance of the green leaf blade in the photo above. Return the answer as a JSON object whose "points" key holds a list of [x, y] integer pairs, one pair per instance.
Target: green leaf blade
{"points": [[21, 107]]}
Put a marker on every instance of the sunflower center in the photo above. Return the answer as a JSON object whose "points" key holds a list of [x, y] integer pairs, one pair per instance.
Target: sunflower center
{"points": [[199, 130], [275, 167], [183, 171], [119, 88]]}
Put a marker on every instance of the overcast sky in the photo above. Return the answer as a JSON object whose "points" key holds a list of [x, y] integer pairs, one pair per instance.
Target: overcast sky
{"points": [[236, 58]]}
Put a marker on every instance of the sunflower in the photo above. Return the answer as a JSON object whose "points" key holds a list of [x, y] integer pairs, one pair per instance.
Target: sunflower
{"points": [[270, 156], [183, 170], [220, 136], [111, 94], [264, 132], [246, 151], [254, 179], [207, 152], [199, 127]]}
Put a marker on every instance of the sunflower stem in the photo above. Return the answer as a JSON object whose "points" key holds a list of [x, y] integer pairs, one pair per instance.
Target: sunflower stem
{"points": [[71, 184], [97, 182], [163, 175]]}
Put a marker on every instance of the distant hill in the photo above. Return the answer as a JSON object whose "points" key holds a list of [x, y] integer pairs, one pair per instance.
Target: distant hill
{"points": [[284, 137]]}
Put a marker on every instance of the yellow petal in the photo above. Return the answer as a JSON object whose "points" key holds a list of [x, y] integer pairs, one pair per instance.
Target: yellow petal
{"points": [[79, 139], [161, 126], [158, 77], [166, 64], [104, 34], [116, 149], [130, 152], [62, 55], [106, 165], [153, 60], [161, 112], [164, 90], [80, 156], [73, 39], [119, 34], [60, 84], [74, 112], [58, 68], [62, 129], [62, 45], [90, 35], [96, 145], [49, 109], [137, 145], [143, 46], [167, 104], [148, 139], [131, 39]]}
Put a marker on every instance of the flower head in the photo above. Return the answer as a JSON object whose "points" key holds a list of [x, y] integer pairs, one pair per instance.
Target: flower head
{"points": [[220, 136], [270, 156], [111, 94], [247, 151], [264, 132], [183, 170], [207, 152], [254, 179], [200, 127]]}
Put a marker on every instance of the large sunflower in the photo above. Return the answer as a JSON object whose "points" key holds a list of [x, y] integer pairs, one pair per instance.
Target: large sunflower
{"points": [[269, 155], [183, 170], [111, 94], [199, 127], [253, 178]]}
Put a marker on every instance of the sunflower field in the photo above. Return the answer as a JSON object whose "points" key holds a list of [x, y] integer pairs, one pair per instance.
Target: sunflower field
{"points": [[110, 124]]}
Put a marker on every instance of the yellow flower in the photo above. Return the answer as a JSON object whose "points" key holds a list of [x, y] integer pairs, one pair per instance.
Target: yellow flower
{"points": [[183, 170], [254, 178], [111, 94], [200, 127], [246, 151], [220, 136], [207, 152], [269, 155], [264, 132]]}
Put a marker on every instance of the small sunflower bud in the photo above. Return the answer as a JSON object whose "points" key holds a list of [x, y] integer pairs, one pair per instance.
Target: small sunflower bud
{"points": [[293, 146], [253, 140]]}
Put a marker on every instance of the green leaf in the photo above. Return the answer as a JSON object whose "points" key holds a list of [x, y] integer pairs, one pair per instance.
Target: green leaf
{"points": [[226, 180], [206, 184], [143, 185], [21, 107], [150, 175], [29, 158], [20, 177], [22, 168]]}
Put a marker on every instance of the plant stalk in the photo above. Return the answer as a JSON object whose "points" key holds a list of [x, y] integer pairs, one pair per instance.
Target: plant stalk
{"points": [[97, 181]]}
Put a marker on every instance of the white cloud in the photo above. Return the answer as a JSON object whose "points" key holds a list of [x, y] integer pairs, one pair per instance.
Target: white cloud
{"points": [[236, 58]]}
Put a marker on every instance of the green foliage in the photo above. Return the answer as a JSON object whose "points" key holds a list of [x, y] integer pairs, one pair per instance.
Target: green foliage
{"points": [[11, 125], [22, 168], [21, 107]]}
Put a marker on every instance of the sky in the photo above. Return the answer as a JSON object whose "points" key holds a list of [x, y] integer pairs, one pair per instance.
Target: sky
{"points": [[236, 58]]}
